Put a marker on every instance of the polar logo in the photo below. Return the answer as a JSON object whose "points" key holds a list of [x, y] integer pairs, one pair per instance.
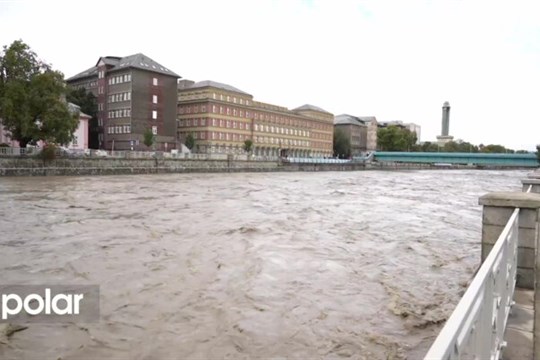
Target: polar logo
{"points": [[36, 304]]}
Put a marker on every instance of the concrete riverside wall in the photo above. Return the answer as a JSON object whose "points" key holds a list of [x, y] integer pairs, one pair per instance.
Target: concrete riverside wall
{"points": [[498, 207], [112, 166]]}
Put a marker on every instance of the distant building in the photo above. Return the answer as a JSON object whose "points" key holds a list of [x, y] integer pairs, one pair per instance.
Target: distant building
{"points": [[5, 137], [412, 127], [135, 94], [355, 130], [80, 136], [361, 131], [221, 118], [372, 126]]}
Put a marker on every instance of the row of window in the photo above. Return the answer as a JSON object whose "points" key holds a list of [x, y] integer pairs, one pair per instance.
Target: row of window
{"points": [[281, 120], [119, 129], [320, 136], [216, 135], [87, 85], [215, 122], [120, 113], [280, 130], [281, 142], [229, 98], [119, 79], [125, 96]]}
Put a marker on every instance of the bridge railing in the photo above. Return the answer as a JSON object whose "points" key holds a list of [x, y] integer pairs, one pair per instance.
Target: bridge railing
{"points": [[476, 327]]}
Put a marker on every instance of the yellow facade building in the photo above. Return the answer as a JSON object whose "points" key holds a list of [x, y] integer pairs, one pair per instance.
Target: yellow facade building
{"points": [[221, 118]]}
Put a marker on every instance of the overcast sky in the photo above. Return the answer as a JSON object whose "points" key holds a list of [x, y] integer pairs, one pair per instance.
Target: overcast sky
{"points": [[396, 60]]}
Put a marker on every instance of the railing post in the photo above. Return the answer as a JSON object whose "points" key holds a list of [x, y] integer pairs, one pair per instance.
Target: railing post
{"points": [[498, 207]]}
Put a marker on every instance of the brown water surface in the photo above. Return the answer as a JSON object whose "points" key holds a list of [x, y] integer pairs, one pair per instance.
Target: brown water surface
{"points": [[364, 265]]}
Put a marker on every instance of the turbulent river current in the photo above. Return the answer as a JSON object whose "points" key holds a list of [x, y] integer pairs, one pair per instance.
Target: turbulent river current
{"points": [[362, 265]]}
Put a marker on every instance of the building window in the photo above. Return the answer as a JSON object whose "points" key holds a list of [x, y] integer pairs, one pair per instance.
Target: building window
{"points": [[234, 99], [154, 99], [203, 122], [214, 109], [155, 81], [214, 122], [196, 122], [247, 126], [154, 114], [203, 135]]}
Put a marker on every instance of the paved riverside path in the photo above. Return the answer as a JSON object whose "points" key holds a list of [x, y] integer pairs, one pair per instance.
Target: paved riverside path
{"points": [[519, 333], [523, 328]]}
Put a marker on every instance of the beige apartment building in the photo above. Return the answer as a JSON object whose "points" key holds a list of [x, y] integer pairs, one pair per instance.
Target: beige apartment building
{"points": [[221, 118]]}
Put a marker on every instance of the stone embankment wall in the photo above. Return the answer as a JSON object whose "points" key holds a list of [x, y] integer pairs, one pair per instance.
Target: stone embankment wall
{"points": [[111, 166]]}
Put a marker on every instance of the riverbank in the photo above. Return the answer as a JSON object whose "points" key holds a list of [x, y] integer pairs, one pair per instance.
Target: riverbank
{"points": [[113, 166]]}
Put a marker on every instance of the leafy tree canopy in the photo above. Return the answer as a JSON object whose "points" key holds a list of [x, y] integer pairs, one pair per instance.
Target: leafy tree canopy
{"points": [[31, 98], [190, 141], [394, 138], [148, 137], [248, 144]]}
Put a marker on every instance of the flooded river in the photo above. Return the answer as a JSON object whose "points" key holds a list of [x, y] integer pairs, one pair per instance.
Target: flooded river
{"points": [[363, 265]]}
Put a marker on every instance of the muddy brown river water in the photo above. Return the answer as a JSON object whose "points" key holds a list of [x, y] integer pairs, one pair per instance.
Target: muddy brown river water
{"points": [[362, 265]]}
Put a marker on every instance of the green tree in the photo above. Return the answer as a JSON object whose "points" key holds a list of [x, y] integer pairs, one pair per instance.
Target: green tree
{"points": [[538, 153], [148, 138], [88, 103], [190, 141], [494, 149], [248, 145], [342, 144], [394, 138], [31, 93], [428, 146]]}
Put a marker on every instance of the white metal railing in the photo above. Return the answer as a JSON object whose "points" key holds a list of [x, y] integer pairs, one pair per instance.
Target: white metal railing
{"points": [[476, 327]]}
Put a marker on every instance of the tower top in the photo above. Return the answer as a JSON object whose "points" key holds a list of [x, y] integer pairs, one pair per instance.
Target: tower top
{"points": [[446, 104]]}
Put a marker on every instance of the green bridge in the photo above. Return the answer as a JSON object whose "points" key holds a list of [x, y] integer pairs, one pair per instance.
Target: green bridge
{"points": [[443, 158]]}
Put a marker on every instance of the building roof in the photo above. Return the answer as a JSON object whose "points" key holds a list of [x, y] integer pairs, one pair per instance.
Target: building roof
{"points": [[74, 108], [368, 118], [137, 61], [310, 108], [215, 84], [346, 119]]}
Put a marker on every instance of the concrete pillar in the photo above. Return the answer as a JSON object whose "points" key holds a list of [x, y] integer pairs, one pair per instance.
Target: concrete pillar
{"points": [[535, 183], [498, 207]]}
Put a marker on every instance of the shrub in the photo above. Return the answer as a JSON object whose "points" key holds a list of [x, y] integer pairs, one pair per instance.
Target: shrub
{"points": [[48, 152]]}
